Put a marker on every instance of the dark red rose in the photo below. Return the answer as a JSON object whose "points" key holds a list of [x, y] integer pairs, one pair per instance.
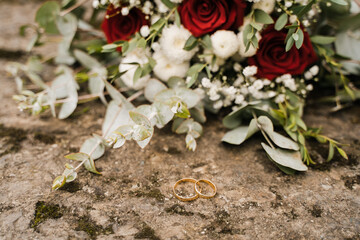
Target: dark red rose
{"points": [[206, 16], [118, 27], [272, 60]]}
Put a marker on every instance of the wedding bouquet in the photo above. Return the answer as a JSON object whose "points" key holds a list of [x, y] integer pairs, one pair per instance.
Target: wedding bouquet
{"points": [[256, 59]]}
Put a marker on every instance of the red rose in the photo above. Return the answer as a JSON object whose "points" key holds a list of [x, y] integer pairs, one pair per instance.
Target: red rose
{"points": [[272, 60], [118, 27], [206, 16]]}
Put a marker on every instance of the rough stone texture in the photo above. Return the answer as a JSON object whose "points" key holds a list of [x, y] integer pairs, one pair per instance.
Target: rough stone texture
{"points": [[133, 197]]}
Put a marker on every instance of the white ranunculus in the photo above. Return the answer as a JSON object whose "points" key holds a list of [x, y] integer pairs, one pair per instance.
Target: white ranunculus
{"points": [[165, 69], [172, 43], [225, 43]]}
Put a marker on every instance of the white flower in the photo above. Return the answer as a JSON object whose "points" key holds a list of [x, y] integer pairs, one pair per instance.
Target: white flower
{"points": [[280, 98], [145, 31], [218, 104], [238, 81], [308, 75], [265, 5], [239, 99], [271, 94], [125, 11], [213, 94], [214, 67], [309, 87], [314, 70], [242, 48], [237, 67], [161, 6], [206, 83], [266, 82], [258, 84], [229, 91], [165, 69], [138, 56], [290, 84], [172, 44], [225, 43], [288, 4], [292, 18], [95, 3], [250, 71], [147, 7], [244, 90]]}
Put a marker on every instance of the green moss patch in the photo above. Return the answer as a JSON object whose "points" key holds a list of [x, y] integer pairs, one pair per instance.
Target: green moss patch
{"points": [[91, 228], [146, 232], [44, 211]]}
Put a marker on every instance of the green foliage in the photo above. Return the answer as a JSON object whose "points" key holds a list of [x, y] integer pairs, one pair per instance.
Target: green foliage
{"points": [[46, 16], [176, 101]]}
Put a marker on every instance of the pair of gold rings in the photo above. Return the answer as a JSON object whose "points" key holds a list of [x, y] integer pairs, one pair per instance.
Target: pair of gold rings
{"points": [[196, 188]]}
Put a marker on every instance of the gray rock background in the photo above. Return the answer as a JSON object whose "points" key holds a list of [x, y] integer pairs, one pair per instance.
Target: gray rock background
{"points": [[133, 198]]}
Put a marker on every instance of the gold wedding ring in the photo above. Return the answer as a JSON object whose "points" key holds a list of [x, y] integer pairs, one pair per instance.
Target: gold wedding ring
{"points": [[185, 199], [198, 191], [196, 188]]}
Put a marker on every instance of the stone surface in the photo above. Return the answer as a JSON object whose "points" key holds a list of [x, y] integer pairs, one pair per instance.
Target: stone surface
{"points": [[133, 197]]}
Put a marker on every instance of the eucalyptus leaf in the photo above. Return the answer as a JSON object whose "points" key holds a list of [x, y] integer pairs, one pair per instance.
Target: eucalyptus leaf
{"points": [[198, 113], [90, 166], [262, 17], [115, 117], [96, 82], [152, 88], [286, 170], [58, 86], [67, 26], [125, 131], [86, 60], [286, 158], [120, 141], [46, 16], [238, 135], [322, 39], [70, 105], [58, 182], [78, 156], [175, 82], [234, 119], [149, 112], [163, 114], [188, 96], [93, 143], [278, 139], [140, 133], [140, 119], [145, 142], [331, 151], [117, 97], [281, 22], [190, 142]]}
